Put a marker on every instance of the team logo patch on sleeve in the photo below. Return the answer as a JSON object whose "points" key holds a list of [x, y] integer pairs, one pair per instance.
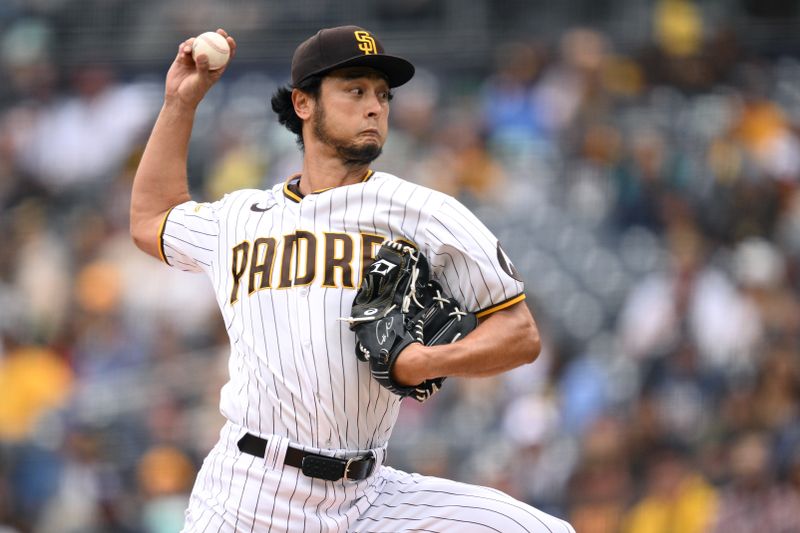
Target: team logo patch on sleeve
{"points": [[506, 264]]}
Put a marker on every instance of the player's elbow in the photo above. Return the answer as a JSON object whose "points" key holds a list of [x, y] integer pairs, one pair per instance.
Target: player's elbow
{"points": [[137, 231], [522, 334], [533, 343], [529, 340], [138, 239], [145, 235]]}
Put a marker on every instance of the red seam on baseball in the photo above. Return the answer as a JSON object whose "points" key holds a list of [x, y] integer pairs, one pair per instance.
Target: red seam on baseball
{"points": [[210, 43]]}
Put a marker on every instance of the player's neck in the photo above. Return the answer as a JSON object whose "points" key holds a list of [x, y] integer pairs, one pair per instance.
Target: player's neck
{"points": [[325, 173]]}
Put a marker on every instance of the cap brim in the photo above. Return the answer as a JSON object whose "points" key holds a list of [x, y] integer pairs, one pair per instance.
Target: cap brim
{"points": [[398, 70]]}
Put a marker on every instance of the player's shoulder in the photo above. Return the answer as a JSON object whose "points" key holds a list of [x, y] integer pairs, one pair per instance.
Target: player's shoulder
{"points": [[244, 194], [230, 201], [429, 195], [242, 197]]}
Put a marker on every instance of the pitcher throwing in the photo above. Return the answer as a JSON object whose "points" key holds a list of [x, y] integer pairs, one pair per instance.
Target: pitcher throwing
{"points": [[316, 380]]}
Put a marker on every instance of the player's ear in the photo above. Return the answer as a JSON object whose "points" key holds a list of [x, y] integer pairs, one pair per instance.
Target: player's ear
{"points": [[303, 104]]}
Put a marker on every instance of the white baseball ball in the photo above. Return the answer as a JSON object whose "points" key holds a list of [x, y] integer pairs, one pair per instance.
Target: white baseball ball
{"points": [[214, 46]]}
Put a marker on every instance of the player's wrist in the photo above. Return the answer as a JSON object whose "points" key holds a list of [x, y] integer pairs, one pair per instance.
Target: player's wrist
{"points": [[175, 104], [410, 367]]}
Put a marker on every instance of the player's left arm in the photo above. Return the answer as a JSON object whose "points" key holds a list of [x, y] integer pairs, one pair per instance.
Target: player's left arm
{"points": [[503, 340], [473, 269]]}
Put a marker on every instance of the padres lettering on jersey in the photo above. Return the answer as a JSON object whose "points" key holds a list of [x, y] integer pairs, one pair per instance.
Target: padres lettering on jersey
{"points": [[298, 265], [285, 268]]}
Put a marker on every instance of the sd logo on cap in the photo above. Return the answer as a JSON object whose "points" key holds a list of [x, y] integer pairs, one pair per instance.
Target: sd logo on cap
{"points": [[347, 46]]}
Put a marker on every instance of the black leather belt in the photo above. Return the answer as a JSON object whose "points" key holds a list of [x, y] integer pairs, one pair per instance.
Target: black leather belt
{"points": [[312, 464]]}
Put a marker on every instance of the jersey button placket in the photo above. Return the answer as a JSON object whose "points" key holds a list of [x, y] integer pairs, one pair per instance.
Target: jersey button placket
{"points": [[304, 313]]}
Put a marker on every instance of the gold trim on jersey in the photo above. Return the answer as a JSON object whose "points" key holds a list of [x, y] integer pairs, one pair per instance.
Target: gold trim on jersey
{"points": [[502, 305], [161, 236], [289, 193], [297, 196]]}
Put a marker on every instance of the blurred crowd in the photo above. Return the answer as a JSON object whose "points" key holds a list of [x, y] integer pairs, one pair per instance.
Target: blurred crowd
{"points": [[648, 195]]}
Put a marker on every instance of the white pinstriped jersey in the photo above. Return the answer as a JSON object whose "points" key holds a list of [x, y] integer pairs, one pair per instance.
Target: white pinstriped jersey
{"points": [[286, 267]]}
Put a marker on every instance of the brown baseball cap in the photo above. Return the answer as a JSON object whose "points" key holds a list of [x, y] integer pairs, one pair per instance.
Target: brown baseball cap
{"points": [[347, 46]]}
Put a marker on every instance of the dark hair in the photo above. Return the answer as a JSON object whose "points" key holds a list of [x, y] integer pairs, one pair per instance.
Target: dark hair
{"points": [[283, 107]]}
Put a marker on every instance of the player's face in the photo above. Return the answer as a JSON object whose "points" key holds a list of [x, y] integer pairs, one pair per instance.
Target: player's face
{"points": [[351, 114]]}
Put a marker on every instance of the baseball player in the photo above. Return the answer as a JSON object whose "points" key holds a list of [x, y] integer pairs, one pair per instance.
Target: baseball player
{"points": [[308, 422]]}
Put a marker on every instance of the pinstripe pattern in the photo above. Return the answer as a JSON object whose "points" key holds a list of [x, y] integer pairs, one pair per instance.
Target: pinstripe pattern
{"points": [[293, 374], [389, 501]]}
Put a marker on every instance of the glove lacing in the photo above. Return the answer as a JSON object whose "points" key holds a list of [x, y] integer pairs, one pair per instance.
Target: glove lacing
{"points": [[412, 293], [441, 300]]}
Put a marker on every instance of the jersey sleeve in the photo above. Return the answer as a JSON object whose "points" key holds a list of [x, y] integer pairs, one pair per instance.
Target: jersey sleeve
{"points": [[190, 235], [469, 262]]}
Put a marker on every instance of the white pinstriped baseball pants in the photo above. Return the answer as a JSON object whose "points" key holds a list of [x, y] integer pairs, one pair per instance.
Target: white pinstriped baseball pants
{"points": [[237, 492]]}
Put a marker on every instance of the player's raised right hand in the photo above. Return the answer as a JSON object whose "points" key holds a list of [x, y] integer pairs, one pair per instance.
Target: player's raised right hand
{"points": [[189, 81]]}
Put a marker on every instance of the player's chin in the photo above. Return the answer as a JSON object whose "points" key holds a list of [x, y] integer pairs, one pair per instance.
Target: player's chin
{"points": [[362, 152], [373, 145]]}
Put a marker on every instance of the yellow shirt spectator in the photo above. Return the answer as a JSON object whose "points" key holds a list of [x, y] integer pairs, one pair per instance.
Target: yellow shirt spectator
{"points": [[32, 381], [689, 509]]}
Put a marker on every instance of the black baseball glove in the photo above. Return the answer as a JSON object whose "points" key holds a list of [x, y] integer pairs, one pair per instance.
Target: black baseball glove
{"points": [[398, 305]]}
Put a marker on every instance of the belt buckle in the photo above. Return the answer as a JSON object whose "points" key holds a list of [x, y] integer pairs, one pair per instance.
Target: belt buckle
{"points": [[369, 455], [347, 468]]}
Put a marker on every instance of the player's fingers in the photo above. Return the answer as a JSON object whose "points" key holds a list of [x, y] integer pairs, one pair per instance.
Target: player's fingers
{"points": [[185, 52], [231, 42]]}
